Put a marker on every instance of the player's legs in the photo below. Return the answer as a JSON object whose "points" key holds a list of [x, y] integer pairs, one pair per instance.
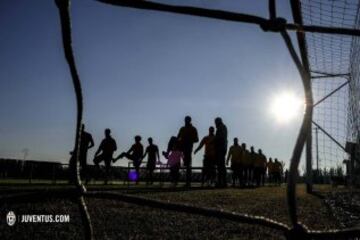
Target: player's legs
{"points": [[107, 169], [221, 168], [263, 176], [187, 164], [203, 171], [97, 160], [174, 172], [150, 169], [234, 173], [255, 176]]}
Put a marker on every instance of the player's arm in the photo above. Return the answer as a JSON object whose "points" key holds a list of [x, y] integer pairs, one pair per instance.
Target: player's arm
{"points": [[196, 136], [180, 134], [200, 146], [146, 152], [91, 140], [98, 151], [115, 145]]}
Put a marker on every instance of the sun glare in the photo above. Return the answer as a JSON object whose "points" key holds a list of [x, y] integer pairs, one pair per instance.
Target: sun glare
{"points": [[286, 106]]}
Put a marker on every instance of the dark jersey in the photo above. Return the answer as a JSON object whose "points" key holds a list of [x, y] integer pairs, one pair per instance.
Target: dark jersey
{"points": [[108, 146], [152, 151], [221, 138], [86, 139], [137, 151], [188, 135]]}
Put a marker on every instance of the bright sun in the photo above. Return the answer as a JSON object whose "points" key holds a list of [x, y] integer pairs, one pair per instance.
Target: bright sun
{"points": [[286, 106]]}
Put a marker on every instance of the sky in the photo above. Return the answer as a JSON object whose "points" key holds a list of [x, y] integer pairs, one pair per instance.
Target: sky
{"points": [[142, 72]]}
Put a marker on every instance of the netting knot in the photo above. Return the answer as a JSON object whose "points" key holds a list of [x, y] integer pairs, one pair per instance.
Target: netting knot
{"points": [[274, 25]]}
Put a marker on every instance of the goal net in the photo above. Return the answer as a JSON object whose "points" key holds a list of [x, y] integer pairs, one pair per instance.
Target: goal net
{"points": [[334, 66]]}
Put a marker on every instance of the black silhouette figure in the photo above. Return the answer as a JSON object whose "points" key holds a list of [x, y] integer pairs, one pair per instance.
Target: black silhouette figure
{"points": [[87, 142], [260, 168], [152, 151], [208, 171], [263, 172], [246, 164], [187, 136], [174, 162], [252, 159], [135, 154], [220, 150], [277, 172], [107, 148], [270, 167], [235, 155]]}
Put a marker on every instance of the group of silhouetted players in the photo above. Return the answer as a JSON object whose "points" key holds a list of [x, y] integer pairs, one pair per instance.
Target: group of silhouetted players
{"points": [[248, 167]]}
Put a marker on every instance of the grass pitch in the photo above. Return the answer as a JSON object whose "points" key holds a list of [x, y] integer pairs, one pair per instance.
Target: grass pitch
{"points": [[117, 220]]}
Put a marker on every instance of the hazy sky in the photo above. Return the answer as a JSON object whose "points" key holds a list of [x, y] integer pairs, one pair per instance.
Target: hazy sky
{"points": [[142, 72]]}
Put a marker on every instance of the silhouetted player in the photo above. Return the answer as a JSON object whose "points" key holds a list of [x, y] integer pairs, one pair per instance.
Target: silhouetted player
{"points": [[208, 171], [187, 136], [107, 148], [260, 168], [174, 162], [135, 154], [152, 151], [235, 154], [246, 164], [253, 156], [270, 167], [277, 172], [86, 143], [220, 150]]}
